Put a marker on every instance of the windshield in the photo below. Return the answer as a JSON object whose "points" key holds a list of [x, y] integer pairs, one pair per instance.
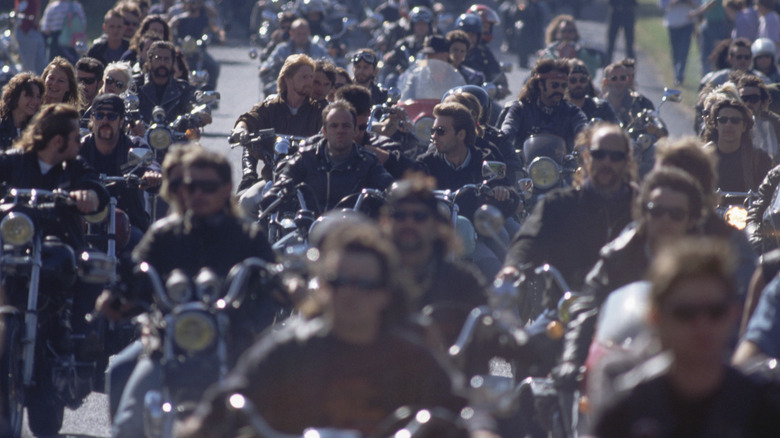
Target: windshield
{"points": [[428, 79]]}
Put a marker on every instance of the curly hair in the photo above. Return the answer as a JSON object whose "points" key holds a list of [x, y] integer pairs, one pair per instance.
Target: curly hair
{"points": [[12, 91], [52, 120], [711, 123], [72, 96], [531, 91], [551, 33]]}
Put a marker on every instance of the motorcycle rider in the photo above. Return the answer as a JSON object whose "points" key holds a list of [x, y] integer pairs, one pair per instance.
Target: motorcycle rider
{"points": [[299, 43], [106, 148], [209, 233], [740, 57], [89, 74], [20, 100], [194, 22], [350, 368], [291, 112], [324, 77], [540, 107], [766, 131], [479, 56], [364, 63], [669, 206], [459, 46], [741, 167], [406, 49], [160, 88], [335, 166], [110, 46], [314, 13], [582, 94], [693, 311], [626, 103]]}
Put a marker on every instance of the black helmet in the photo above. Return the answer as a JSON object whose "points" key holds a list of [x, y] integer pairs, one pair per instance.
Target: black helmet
{"points": [[469, 23], [476, 91], [421, 13]]}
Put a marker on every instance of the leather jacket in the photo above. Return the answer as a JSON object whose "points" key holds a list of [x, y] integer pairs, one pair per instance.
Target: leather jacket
{"points": [[630, 107], [755, 166], [524, 119], [274, 113], [481, 59], [755, 226], [177, 99], [596, 108], [329, 182], [8, 132]]}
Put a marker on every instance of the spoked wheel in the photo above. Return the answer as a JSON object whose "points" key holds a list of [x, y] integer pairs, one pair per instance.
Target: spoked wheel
{"points": [[11, 386]]}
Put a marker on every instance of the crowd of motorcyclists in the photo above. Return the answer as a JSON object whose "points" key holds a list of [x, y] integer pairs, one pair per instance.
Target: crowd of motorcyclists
{"points": [[342, 277]]}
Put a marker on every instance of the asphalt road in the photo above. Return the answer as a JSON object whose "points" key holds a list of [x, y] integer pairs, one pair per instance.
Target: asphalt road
{"points": [[239, 87]]}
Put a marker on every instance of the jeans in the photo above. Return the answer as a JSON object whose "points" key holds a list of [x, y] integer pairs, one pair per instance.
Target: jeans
{"points": [[118, 374], [711, 34], [32, 49], [129, 419], [621, 17], [680, 38]]}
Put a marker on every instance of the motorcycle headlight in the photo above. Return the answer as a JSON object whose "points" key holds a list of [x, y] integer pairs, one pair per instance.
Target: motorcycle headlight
{"points": [[422, 128], [160, 138], [194, 332], [736, 216], [189, 46], [17, 229], [544, 172]]}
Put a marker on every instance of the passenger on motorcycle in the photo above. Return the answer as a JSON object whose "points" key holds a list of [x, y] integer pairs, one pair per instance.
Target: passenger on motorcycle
{"points": [[626, 103], [106, 148], [741, 167], [459, 46], [348, 369], [111, 45], [669, 206], [764, 55], [540, 107], [335, 166], [569, 226], [89, 74], [195, 22], [209, 234], [324, 77], [20, 101], [693, 312], [291, 112], [364, 63], [299, 43], [136, 52], [582, 93], [766, 131], [406, 49], [160, 88], [314, 13], [479, 56], [740, 57]]}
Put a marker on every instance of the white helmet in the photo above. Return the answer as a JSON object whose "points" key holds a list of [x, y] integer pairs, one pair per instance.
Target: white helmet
{"points": [[763, 46]]}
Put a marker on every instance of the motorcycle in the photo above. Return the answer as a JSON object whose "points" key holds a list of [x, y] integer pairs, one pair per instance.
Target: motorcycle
{"points": [[733, 207], [10, 61], [43, 375], [547, 167], [646, 129], [194, 50], [194, 326], [186, 127]]}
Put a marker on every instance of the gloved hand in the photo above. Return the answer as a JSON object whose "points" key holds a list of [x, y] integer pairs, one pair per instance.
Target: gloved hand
{"points": [[247, 181], [568, 375]]}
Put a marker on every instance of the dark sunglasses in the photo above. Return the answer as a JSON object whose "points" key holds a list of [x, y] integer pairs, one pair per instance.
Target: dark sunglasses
{"points": [[582, 80], [751, 98], [112, 81], [88, 81], [689, 312], [364, 284], [99, 115], [733, 120], [556, 85], [175, 184], [417, 216], [206, 186], [364, 56], [615, 78], [657, 211], [741, 57], [439, 130], [614, 156]]}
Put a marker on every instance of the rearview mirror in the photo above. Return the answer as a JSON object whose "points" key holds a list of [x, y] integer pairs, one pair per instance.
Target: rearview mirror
{"points": [[492, 170]]}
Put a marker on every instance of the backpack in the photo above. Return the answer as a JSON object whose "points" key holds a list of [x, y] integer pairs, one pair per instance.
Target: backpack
{"points": [[73, 29]]}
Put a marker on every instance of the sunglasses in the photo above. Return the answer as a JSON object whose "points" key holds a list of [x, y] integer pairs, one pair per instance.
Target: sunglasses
{"points": [[87, 81], [615, 78], [99, 115], [741, 57], [751, 98], [364, 284], [417, 216], [364, 56], [657, 211], [206, 186], [555, 85], [614, 156], [574, 81], [689, 312], [733, 120], [115, 82], [439, 130]]}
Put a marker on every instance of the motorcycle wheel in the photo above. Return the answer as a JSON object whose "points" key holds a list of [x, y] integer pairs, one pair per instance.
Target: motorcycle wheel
{"points": [[11, 386], [45, 411]]}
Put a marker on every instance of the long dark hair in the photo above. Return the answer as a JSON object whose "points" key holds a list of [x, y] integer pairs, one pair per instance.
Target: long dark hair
{"points": [[711, 123], [12, 92], [530, 91]]}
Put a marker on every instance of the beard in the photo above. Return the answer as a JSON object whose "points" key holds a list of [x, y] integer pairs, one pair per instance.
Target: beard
{"points": [[303, 90], [577, 93], [162, 72], [106, 133]]}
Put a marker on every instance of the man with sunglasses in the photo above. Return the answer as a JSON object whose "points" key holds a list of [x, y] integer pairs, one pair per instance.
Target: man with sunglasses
{"points": [[755, 95], [740, 58], [208, 234], [693, 314], [111, 45], [626, 103], [106, 149], [540, 107], [364, 70], [89, 75], [581, 93], [669, 206]]}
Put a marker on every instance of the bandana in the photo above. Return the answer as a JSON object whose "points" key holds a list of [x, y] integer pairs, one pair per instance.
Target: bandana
{"points": [[554, 75]]}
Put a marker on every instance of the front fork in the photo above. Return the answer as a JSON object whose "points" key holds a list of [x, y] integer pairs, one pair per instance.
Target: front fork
{"points": [[31, 315]]}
